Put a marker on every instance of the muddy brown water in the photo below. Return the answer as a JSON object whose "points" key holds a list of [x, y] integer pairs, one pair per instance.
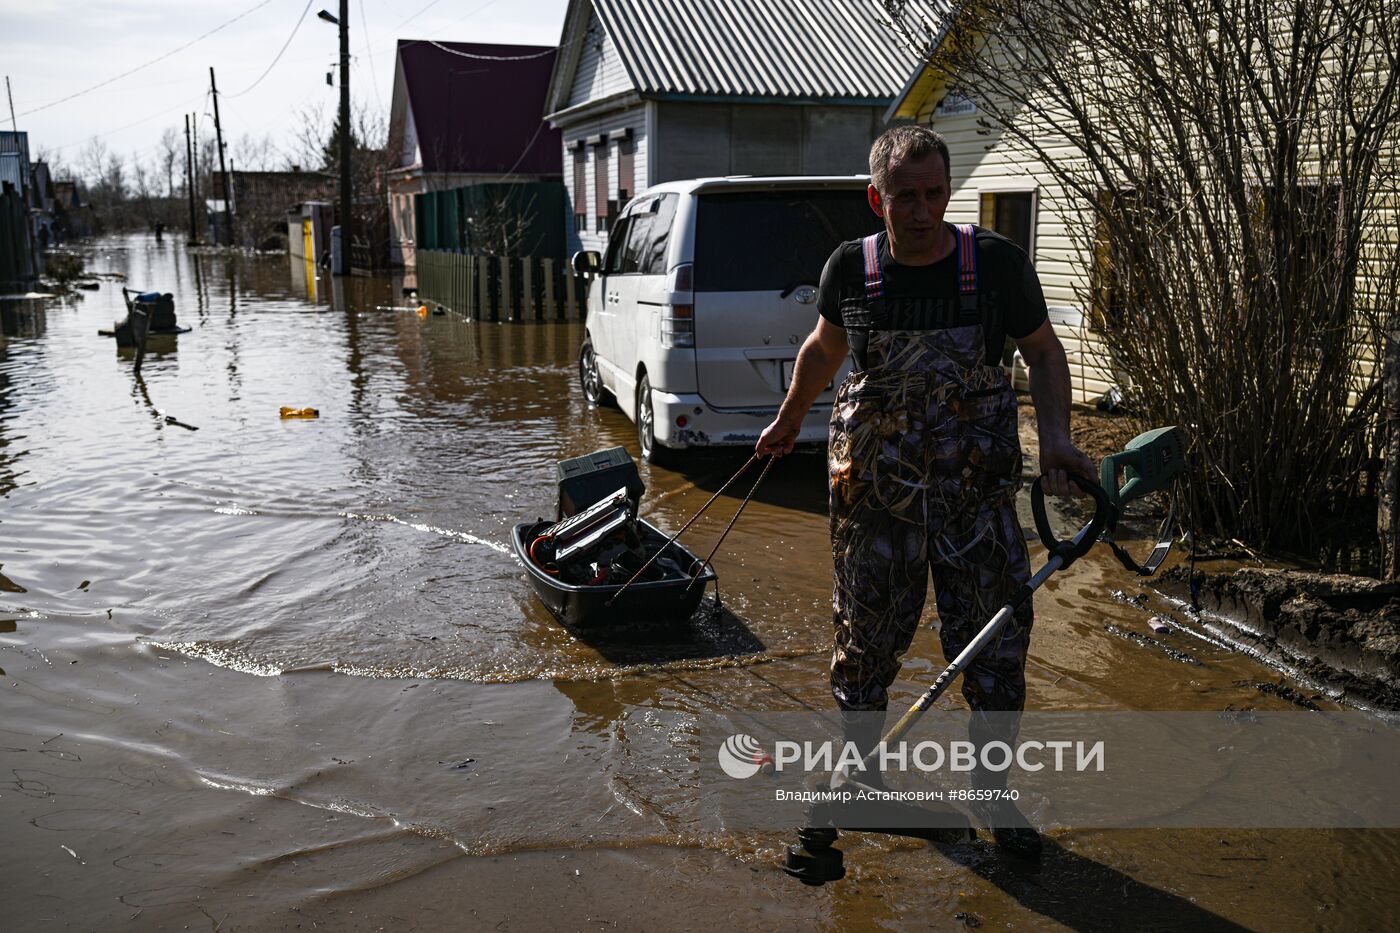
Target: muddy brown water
{"points": [[442, 754]]}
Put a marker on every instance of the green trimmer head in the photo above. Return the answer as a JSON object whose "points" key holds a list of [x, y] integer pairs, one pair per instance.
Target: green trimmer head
{"points": [[1149, 462]]}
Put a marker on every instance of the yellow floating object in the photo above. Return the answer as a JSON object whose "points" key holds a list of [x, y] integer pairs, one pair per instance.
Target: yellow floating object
{"points": [[422, 310], [299, 412]]}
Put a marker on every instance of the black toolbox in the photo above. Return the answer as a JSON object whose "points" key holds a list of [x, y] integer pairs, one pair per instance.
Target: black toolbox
{"points": [[593, 477]]}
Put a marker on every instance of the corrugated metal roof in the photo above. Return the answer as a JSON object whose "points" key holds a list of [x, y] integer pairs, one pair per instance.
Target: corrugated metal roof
{"points": [[803, 49], [14, 159]]}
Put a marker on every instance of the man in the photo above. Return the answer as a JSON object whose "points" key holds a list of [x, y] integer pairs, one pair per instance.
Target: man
{"points": [[924, 455]]}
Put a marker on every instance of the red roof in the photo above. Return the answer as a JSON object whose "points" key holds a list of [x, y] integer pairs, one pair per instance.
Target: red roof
{"points": [[475, 112]]}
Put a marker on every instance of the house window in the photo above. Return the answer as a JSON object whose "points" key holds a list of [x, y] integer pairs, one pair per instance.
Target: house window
{"points": [[1299, 234], [1012, 214], [580, 192], [602, 205], [626, 183]]}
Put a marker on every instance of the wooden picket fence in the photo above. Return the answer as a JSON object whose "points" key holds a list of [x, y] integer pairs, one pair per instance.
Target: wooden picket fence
{"points": [[501, 288]]}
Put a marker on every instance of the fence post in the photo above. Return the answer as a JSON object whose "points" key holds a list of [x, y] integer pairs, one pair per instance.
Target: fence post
{"points": [[509, 310], [469, 288], [483, 288], [529, 305], [569, 291], [459, 287], [456, 281], [551, 310]]}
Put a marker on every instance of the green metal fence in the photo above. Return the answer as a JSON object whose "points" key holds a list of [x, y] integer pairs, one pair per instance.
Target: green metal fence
{"points": [[528, 217], [501, 288]]}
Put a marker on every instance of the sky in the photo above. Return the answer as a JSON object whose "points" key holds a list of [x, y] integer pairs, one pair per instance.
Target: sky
{"points": [[51, 49]]}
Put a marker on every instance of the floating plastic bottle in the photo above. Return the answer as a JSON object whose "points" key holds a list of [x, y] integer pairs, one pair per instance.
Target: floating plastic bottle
{"points": [[299, 412]]}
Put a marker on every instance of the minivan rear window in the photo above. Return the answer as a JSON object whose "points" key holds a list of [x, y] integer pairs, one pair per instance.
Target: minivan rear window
{"points": [[755, 241]]}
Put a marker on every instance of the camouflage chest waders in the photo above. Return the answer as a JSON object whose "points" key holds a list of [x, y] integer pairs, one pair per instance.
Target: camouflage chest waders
{"points": [[925, 462]]}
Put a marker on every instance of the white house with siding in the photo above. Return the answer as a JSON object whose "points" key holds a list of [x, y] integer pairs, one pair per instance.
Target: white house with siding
{"points": [[656, 91]]}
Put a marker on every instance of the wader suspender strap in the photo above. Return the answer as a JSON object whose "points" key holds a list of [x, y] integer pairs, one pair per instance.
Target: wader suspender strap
{"points": [[874, 278], [965, 253]]}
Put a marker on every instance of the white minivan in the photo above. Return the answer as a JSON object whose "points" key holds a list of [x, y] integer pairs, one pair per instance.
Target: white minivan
{"points": [[705, 294]]}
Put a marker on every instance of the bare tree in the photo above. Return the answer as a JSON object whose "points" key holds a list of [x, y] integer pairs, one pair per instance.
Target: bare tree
{"points": [[308, 140], [92, 161], [255, 153], [1227, 170], [171, 147]]}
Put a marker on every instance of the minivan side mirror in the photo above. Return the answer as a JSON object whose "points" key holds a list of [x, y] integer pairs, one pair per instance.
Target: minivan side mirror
{"points": [[587, 263]]}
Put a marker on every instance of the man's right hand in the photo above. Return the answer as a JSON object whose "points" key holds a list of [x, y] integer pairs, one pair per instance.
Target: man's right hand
{"points": [[777, 439], [817, 363]]}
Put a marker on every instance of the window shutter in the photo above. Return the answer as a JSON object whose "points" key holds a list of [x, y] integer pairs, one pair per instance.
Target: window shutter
{"points": [[600, 185]]}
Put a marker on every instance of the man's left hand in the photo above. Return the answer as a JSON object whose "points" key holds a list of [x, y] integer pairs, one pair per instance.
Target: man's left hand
{"points": [[1059, 458]]}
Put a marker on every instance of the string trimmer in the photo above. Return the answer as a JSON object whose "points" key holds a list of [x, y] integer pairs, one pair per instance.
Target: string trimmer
{"points": [[1149, 463]]}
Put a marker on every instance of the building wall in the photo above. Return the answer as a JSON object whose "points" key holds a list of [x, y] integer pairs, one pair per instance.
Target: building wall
{"points": [[600, 72], [611, 125], [675, 140], [701, 139]]}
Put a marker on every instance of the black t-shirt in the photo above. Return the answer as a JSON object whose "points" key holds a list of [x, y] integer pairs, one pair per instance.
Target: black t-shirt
{"points": [[1009, 296]]}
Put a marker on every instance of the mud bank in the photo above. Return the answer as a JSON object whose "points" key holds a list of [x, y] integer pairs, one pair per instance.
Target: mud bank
{"points": [[1337, 629]]}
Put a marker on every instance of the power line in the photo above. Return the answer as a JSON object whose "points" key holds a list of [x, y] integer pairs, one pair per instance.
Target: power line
{"points": [[425, 9], [278, 57], [374, 74], [128, 126], [148, 63], [489, 58]]}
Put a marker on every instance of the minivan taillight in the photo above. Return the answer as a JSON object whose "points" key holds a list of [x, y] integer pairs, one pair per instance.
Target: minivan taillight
{"points": [[678, 313]]}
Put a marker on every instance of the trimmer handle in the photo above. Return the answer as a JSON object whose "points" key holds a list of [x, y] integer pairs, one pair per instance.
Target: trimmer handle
{"points": [[1070, 551]]}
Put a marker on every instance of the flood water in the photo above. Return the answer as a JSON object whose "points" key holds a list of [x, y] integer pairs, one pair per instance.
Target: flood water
{"points": [[274, 673]]}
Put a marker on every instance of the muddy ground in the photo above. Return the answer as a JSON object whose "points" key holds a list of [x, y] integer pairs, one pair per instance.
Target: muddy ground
{"points": [[1339, 630]]}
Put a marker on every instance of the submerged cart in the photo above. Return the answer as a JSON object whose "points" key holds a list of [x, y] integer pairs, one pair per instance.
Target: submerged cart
{"points": [[580, 564]]}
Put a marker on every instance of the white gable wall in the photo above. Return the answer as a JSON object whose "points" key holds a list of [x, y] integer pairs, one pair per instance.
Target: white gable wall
{"points": [[600, 72]]}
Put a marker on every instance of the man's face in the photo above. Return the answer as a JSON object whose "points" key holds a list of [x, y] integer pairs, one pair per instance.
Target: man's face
{"points": [[913, 207]]}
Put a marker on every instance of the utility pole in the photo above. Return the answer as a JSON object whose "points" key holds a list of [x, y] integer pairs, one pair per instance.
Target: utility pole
{"points": [[346, 205], [189, 180], [194, 123], [219, 141], [8, 93]]}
